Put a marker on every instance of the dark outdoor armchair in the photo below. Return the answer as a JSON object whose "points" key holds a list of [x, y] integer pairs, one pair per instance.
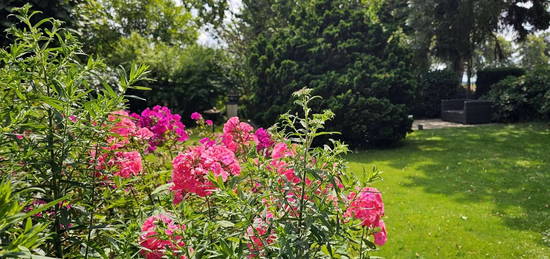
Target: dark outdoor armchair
{"points": [[466, 111]]}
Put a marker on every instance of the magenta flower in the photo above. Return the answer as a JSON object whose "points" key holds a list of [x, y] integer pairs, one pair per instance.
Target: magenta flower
{"points": [[191, 168], [127, 163], [258, 234], [163, 124], [209, 122], [236, 134], [159, 235], [196, 116], [368, 207], [263, 139], [381, 236]]}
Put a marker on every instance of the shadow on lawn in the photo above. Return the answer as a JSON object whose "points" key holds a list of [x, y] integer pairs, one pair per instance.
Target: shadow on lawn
{"points": [[506, 165]]}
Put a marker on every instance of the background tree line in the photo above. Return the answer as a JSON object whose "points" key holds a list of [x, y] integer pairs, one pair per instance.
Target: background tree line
{"points": [[373, 61]]}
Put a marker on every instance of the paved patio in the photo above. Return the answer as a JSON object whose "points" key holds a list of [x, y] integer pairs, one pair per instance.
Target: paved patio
{"points": [[439, 124]]}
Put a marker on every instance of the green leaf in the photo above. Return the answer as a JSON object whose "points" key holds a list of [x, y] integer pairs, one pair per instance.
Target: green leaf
{"points": [[225, 223]]}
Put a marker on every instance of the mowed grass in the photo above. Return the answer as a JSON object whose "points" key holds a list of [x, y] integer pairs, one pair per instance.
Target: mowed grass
{"points": [[481, 192]]}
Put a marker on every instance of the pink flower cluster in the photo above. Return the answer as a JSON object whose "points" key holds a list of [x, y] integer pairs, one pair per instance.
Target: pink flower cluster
{"points": [[198, 117], [237, 135], [368, 207], [258, 234], [163, 124], [160, 234], [281, 151], [153, 128], [263, 139], [190, 169], [127, 164]]}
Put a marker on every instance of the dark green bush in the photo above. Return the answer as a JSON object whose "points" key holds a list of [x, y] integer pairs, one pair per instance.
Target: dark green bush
{"points": [[522, 98], [488, 77], [373, 121], [362, 71], [432, 88]]}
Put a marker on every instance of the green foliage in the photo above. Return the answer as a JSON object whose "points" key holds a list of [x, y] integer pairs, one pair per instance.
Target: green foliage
{"points": [[535, 51], [522, 98], [186, 80], [62, 10], [18, 235], [361, 70], [49, 107], [494, 52], [433, 87], [527, 18], [488, 77], [452, 30], [103, 23]]}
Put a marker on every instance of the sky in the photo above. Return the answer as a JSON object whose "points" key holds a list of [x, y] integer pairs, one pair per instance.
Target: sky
{"points": [[206, 38]]}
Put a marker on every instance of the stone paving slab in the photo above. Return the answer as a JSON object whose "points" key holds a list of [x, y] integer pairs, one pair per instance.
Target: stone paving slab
{"points": [[439, 124]]}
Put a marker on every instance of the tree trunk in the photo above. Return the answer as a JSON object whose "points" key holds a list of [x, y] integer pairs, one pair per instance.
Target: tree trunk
{"points": [[458, 68]]}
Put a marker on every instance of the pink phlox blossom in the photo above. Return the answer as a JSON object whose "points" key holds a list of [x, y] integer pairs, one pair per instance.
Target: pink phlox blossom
{"points": [[190, 169], [237, 134], [209, 122], [160, 234], [144, 133], [196, 116], [263, 139], [280, 151], [368, 207], [163, 124], [207, 142], [124, 125], [381, 236], [127, 163], [259, 235]]}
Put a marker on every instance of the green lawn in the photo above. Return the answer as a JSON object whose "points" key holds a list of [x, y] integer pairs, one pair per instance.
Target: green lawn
{"points": [[481, 192]]}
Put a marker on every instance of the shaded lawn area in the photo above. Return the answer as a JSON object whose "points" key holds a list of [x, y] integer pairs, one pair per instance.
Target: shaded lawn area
{"points": [[481, 192]]}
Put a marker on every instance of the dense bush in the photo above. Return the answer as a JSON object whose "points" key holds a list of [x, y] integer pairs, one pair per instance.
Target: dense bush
{"points": [[522, 98], [52, 113], [488, 77], [186, 79], [432, 88], [361, 70], [96, 181]]}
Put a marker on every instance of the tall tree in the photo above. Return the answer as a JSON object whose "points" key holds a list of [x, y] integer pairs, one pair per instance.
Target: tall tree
{"points": [[451, 29], [359, 67], [528, 16], [535, 51], [496, 51], [102, 23]]}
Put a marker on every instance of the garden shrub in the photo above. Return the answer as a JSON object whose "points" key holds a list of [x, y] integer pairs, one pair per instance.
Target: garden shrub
{"points": [[522, 98], [488, 77], [18, 235], [52, 111], [110, 183], [433, 87], [347, 59]]}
